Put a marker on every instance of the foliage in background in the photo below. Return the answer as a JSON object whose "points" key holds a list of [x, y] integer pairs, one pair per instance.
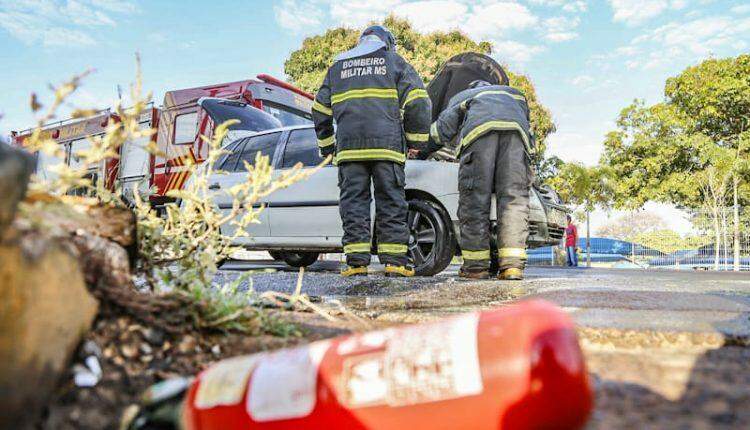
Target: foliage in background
{"points": [[583, 186], [632, 224], [668, 241], [715, 95], [666, 152], [181, 250], [690, 150], [426, 52]]}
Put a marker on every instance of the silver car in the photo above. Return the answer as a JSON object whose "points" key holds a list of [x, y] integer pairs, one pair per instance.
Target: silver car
{"points": [[302, 221]]}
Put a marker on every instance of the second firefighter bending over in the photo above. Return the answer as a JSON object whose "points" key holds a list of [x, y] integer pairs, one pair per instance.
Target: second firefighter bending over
{"points": [[494, 143], [381, 110]]}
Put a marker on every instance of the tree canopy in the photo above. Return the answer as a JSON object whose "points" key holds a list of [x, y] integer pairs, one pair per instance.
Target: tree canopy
{"points": [[426, 52], [631, 225], [715, 96], [684, 149], [580, 185]]}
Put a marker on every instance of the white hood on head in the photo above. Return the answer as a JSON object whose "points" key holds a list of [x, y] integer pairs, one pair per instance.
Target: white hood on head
{"points": [[366, 45]]}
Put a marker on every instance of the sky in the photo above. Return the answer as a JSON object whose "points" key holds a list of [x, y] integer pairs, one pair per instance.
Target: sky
{"points": [[587, 58]]}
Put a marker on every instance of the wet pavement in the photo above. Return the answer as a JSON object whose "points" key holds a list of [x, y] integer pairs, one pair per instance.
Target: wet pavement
{"points": [[665, 349], [699, 302]]}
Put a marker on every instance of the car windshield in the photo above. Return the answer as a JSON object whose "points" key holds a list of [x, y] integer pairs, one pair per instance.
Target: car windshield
{"points": [[286, 115], [250, 118]]}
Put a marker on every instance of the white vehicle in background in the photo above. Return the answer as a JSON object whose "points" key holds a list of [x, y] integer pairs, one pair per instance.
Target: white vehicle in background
{"points": [[302, 221]]}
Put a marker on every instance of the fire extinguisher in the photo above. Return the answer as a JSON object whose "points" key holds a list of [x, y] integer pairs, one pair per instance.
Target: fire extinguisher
{"points": [[516, 367]]}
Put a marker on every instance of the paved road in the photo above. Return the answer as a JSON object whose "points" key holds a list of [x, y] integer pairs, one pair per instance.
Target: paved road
{"points": [[665, 349], [699, 302]]}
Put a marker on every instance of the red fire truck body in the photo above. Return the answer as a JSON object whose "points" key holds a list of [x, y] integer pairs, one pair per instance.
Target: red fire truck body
{"points": [[180, 122], [73, 135]]}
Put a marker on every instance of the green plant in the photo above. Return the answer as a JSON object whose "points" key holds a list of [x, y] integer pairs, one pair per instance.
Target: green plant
{"points": [[178, 252]]}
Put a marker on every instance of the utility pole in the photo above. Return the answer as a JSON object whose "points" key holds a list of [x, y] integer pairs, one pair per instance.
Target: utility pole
{"points": [[588, 240], [736, 225]]}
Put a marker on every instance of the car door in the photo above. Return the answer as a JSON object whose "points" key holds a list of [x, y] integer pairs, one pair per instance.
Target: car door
{"points": [[309, 208], [232, 172]]}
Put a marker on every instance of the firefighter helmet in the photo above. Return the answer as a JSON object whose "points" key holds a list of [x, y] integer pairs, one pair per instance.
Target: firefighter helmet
{"points": [[383, 34]]}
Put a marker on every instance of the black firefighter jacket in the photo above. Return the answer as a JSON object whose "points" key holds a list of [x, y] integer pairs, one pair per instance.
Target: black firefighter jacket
{"points": [[474, 112], [379, 105]]}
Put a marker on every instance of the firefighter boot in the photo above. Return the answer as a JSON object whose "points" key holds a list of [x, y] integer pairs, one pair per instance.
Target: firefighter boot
{"points": [[392, 271], [473, 273], [511, 274], [354, 271]]}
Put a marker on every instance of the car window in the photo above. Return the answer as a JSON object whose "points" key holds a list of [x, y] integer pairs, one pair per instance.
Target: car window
{"points": [[249, 117], [287, 115], [229, 160], [302, 148], [265, 144]]}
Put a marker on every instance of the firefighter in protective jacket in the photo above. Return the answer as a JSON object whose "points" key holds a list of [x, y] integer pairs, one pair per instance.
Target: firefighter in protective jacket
{"points": [[494, 145], [381, 110]]}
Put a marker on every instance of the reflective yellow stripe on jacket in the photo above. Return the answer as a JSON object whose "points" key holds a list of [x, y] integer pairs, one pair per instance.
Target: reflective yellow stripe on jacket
{"points": [[369, 154], [506, 93], [434, 133], [414, 94], [325, 110], [328, 141], [417, 137], [383, 93], [495, 125]]}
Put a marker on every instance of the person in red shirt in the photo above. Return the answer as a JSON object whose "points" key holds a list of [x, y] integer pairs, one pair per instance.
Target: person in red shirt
{"points": [[571, 241]]}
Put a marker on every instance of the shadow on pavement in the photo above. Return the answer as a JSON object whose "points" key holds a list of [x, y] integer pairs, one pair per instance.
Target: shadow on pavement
{"points": [[716, 396]]}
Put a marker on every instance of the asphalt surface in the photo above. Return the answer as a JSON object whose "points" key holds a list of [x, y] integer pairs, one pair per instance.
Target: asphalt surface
{"points": [[664, 300], [665, 349]]}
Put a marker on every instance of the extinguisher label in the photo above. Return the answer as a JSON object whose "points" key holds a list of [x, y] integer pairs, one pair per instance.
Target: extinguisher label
{"points": [[224, 383], [284, 383], [421, 363]]}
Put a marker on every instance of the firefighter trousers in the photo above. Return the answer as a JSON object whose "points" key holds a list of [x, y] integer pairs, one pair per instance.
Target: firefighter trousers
{"points": [[391, 210], [494, 163]]}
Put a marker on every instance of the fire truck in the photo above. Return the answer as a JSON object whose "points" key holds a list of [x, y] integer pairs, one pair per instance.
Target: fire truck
{"points": [[185, 115]]}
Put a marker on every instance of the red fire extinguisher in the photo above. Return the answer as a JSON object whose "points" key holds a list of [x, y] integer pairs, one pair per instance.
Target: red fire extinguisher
{"points": [[516, 367]]}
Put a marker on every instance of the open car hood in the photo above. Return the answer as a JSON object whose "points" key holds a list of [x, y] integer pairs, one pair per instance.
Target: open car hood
{"points": [[456, 75]]}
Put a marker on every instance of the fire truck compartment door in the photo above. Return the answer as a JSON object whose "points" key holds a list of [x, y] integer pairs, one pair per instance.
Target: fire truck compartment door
{"points": [[134, 159]]}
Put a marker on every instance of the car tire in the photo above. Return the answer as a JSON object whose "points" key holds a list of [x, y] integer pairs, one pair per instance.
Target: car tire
{"points": [[431, 243], [276, 255], [299, 258]]}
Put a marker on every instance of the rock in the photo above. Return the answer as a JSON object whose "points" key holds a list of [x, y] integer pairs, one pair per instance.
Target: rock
{"points": [[146, 348], [154, 336], [15, 168], [187, 344], [129, 351], [45, 309]]}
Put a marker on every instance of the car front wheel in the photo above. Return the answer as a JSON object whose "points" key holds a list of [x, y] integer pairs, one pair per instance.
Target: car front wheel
{"points": [[430, 239], [299, 258]]}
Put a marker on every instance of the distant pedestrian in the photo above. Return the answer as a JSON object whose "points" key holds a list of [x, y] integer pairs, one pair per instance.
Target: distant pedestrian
{"points": [[571, 242]]}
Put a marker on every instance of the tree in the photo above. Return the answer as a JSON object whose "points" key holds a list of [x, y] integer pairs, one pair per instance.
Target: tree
{"points": [[631, 225], [585, 187], [667, 241], [715, 94], [691, 150], [582, 186], [426, 52]]}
